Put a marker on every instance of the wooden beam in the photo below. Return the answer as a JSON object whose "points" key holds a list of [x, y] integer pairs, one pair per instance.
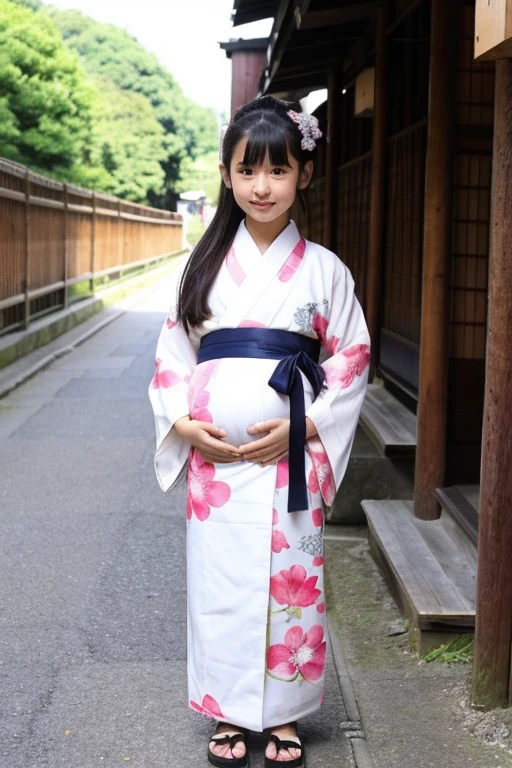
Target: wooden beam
{"points": [[378, 192], [491, 671], [344, 15], [331, 160], [287, 20], [308, 81], [433, 373]]}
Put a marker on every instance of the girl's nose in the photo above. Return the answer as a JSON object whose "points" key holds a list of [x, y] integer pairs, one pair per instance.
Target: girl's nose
{"points": [[261, 185]]}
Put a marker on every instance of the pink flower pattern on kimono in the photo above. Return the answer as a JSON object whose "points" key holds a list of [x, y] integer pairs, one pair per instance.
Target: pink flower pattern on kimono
{"points": [[301, 655], [207, 707], [319, 324], [293, 262], [165, 378], [203, 491], [198, 397], [344, 366], [293, 588], [279, 541], [321, 477], [170, 323], [251, 324], [318, 517], [283, 473]]}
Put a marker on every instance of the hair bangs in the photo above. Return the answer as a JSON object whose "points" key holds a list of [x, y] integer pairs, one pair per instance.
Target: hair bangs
{"points": [[265, 139]]}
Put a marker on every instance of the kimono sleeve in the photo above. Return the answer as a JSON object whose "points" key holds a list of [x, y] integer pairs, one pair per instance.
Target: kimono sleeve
{"points": [[168, 394], [335, 413]]}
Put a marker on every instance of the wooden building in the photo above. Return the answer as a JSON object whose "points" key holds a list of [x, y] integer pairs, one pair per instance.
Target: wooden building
{"points": [[418, 154]]}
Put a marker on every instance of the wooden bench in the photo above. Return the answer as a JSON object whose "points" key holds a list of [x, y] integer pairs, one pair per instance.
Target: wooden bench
{"points": [[388, 423], [430, 567]]}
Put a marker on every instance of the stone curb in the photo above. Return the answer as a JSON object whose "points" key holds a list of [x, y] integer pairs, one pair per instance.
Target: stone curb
{"points": [[353, 727]]}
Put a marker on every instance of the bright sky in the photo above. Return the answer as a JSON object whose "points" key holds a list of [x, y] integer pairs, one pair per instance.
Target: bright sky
{"points": [[184, 34]]}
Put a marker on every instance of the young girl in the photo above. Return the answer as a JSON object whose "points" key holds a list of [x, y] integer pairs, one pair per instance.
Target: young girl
{"points": [[267, 433]]}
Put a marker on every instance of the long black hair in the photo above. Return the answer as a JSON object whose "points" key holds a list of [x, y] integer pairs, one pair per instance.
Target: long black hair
{"points": [[269, 129]]}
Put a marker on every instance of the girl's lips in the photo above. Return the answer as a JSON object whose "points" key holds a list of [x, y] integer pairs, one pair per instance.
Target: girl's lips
{"points": [[261, 205]]}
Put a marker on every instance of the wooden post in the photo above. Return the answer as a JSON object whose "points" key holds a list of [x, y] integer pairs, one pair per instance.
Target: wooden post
{"points": [[66, 248], [332, 160], [378, 192], [26, 318], [433, 372], [120, 238], [492, 663], [93, 243]]}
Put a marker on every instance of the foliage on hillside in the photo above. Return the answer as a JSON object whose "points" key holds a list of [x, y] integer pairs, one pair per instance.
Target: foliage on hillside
{"points": [[46, 99], [112, 54], [85, 102]]}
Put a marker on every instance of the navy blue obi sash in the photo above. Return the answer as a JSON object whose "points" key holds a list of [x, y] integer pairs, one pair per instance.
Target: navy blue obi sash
{"points": [[296, 353]]}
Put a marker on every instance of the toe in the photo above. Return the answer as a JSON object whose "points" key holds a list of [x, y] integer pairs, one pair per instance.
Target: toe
{"points": [[270, 752], [238, 750]]}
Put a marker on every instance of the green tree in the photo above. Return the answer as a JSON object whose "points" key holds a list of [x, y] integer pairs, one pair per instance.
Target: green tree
{"points": [[111, 53], [128, 144], [201, 173], [46, 98]]}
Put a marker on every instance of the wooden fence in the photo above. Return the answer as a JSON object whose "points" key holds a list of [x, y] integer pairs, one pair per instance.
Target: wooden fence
{"points": [[58, 240]]}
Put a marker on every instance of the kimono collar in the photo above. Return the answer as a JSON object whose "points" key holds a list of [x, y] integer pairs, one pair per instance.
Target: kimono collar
{"points": [[283, 244]]}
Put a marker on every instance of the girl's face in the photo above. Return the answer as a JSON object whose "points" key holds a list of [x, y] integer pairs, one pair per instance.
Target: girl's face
{"points": [[265, 192]]}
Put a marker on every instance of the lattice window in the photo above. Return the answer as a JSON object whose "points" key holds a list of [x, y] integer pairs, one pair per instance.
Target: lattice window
{"points": [[353, 219], [404, 234], [471, 197]]}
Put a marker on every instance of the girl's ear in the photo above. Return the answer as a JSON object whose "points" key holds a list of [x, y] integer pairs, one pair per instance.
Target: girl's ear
{"points": [[305, 175], [225, 175]]}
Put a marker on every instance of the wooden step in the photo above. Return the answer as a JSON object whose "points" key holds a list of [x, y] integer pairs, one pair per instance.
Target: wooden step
{"points": [[431, 576], [456, 504], [388, 423]]}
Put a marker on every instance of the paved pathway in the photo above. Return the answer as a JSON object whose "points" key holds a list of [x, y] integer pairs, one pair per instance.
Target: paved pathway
{"points": [[92, 579]]}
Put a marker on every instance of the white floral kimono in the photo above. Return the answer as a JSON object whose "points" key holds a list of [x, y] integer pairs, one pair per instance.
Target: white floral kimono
{"points": [[256, 610]]}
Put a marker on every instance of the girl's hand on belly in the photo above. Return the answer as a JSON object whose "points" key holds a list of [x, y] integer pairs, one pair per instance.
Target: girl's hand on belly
{"points": [[271, 448], [207, 439]]}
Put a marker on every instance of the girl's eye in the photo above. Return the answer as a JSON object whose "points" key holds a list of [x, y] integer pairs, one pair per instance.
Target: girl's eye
{"points": [[277, 171], [246, 171]]}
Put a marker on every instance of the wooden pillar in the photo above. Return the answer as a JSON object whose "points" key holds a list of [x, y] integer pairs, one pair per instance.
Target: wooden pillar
{"points": [[378, 192], [332, 159], [93, 243], [66, 245], [433, 372], [492, 663], [26, 244]]}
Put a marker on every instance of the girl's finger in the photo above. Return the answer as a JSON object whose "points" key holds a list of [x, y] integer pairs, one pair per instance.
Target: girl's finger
{"points": [[264, 455], [256, 445], [221, 445]]}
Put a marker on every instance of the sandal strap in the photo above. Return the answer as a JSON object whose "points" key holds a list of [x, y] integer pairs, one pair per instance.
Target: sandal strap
{"points": [[285, 743], [224, 738]]}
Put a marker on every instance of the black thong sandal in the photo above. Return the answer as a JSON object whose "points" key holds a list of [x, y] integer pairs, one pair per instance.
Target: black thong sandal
{"points": [[297, 762], [229, 762]]}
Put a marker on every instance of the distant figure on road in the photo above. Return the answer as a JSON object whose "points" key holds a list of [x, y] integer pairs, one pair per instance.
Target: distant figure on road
{"points": [[239, 392]]}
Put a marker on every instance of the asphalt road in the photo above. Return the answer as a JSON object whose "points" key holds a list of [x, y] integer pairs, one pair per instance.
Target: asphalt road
{"points": [[92, 576]]}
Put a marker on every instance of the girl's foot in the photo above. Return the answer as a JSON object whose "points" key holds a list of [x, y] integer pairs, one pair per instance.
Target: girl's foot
{"points": [[230, 750], [285, 733]]}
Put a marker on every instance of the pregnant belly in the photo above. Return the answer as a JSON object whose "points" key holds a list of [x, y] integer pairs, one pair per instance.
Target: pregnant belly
{"points": [[234, 393]]}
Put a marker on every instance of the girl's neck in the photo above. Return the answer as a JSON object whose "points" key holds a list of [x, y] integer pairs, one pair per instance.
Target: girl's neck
{"points": [[264, 234]]}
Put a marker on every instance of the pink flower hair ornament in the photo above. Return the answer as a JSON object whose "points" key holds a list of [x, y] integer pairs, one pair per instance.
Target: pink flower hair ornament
{"points": [[308, 126]]}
